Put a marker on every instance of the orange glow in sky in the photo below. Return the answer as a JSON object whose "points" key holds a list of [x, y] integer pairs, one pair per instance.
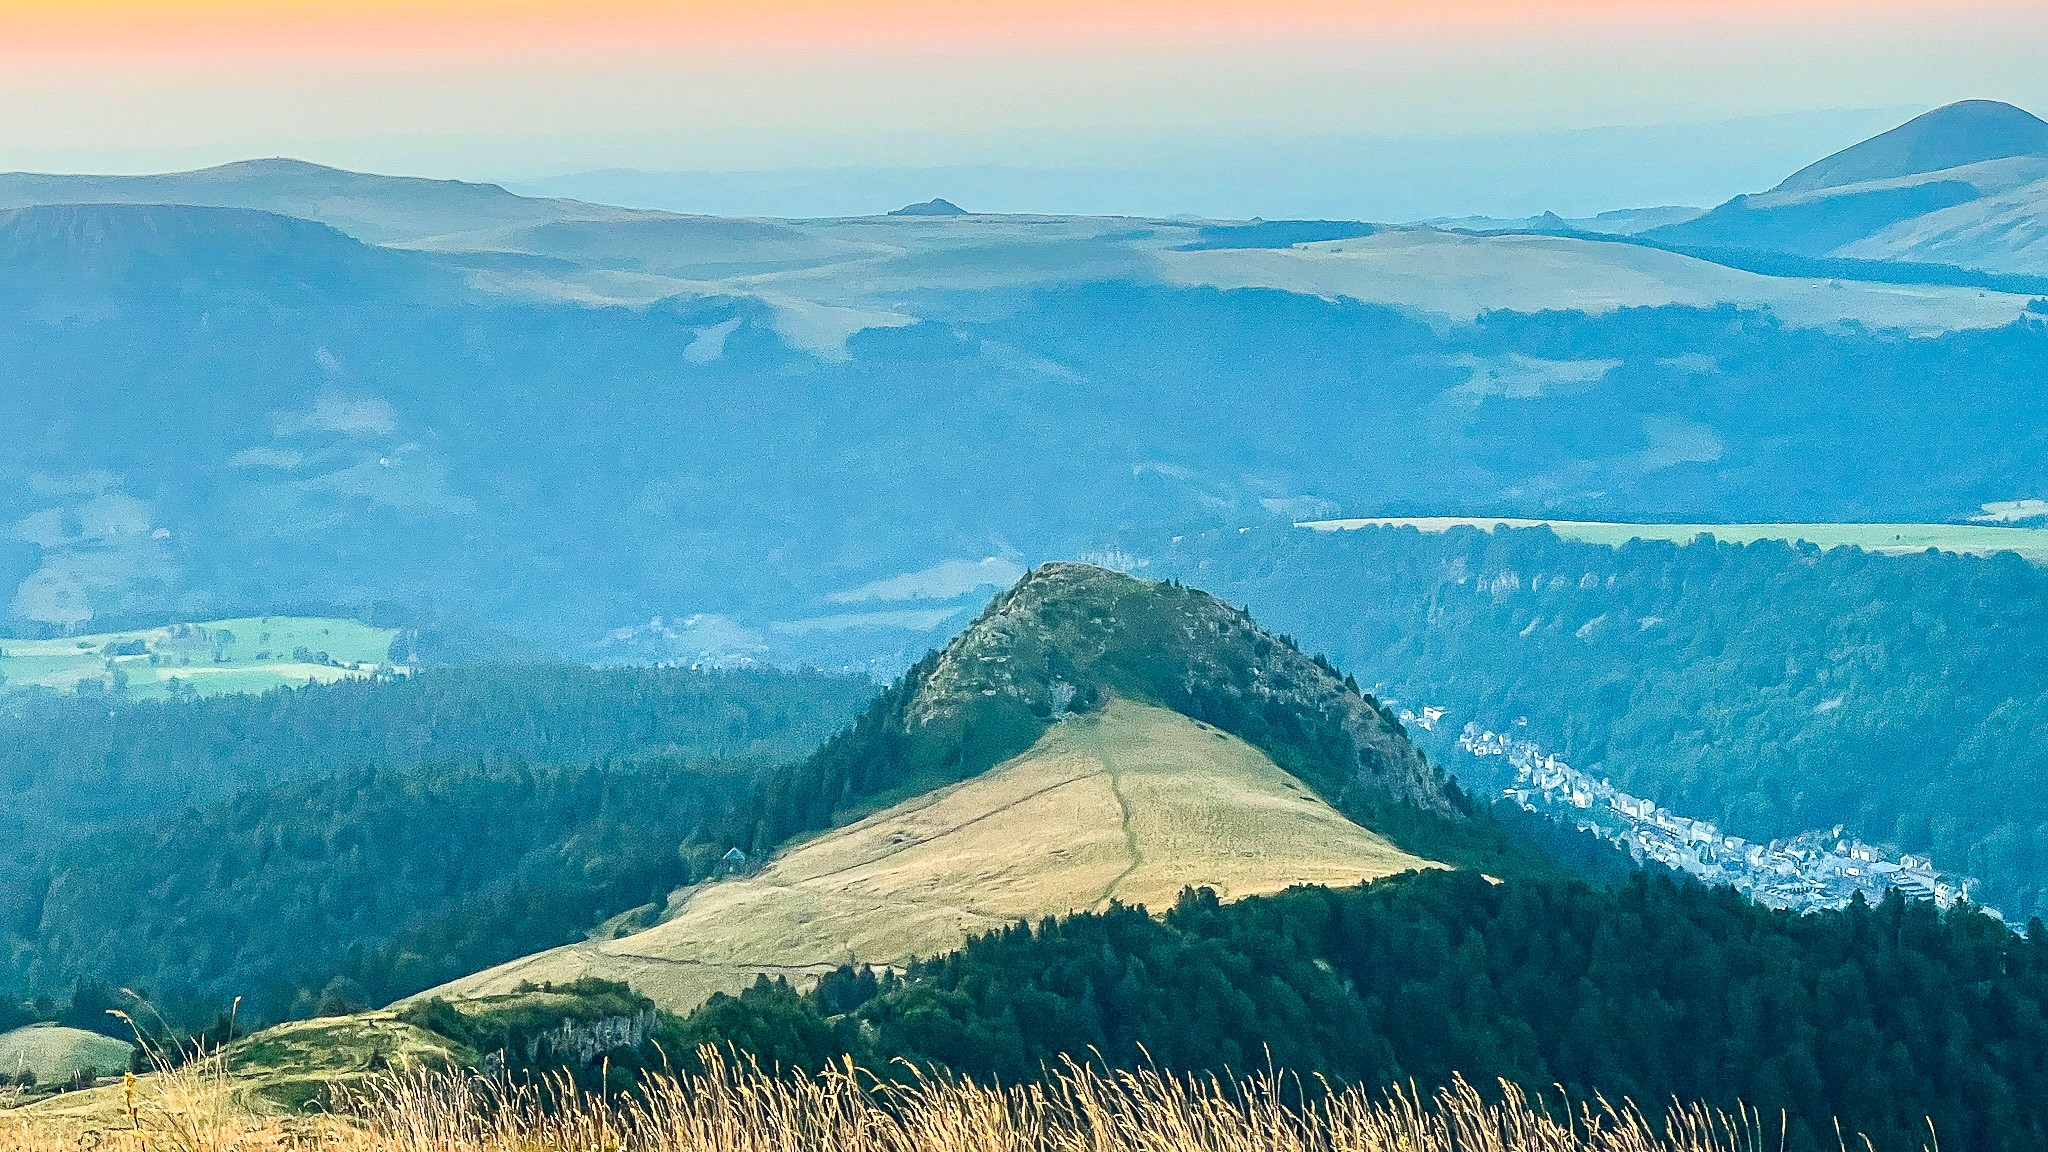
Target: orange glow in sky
{"points": [[49, 30], [460, 87]]}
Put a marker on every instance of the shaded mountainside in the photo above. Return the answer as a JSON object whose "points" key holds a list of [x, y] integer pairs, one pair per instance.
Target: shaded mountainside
{"points": [[1815, 227], [1965, 185], [362, 887], [1889, 1018], [391, 834], [72, 765], [373, 208], [1770, 687], [1966, 132], [119, 249]]}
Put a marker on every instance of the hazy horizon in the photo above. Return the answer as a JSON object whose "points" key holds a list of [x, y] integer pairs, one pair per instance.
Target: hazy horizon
{"points": [[1574, 173], [1219, 107]]}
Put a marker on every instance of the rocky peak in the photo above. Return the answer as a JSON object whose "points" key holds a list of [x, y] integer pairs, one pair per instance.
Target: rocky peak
{"points": [[1068, 635]]}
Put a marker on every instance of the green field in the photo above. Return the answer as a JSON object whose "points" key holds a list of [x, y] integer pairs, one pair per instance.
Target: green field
{"points": [[252, 654], [1892, 539], [54, 1053]]}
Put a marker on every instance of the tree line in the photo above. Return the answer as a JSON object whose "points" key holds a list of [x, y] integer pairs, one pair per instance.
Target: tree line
{"points": [[1770, 687], [321, 848], [1885, 1017]]}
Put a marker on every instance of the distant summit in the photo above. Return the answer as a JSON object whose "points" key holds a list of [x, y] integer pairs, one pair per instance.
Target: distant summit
{"points": [[1962, 187], [931, 208], [1968, 132], [374, 209]]}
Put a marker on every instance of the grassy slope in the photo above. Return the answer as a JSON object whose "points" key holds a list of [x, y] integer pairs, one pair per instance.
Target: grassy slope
{"points": [[53, 1053], [257, 658], [278, 1070], [305, 1066], [295, 1064], [1969, 539], [861, 270], [1132, 804], [1463, 276]]}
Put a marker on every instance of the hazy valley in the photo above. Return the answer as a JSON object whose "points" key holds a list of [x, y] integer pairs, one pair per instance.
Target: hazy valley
{"points": [[672, 437]]}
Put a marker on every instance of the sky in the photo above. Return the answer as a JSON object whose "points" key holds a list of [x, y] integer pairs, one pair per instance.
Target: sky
{"points": [[1497, 105]]}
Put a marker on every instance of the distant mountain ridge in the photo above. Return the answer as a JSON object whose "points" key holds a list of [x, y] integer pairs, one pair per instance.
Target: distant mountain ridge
{"points": [[373, 208], [1966, 132], [575, 423], [1965, 185]]}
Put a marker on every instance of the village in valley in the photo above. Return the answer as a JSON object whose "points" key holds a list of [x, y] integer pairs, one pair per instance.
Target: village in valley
{"points": [[1816, 869]]}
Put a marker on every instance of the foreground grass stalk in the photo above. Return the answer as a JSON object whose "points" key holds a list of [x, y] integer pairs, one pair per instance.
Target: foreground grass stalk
{"points": [[734, 1106]]}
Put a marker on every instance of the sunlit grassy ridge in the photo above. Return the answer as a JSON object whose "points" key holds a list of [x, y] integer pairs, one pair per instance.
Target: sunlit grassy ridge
{"points": [[1132, 804], [737, 1108], [54, 1053], [249, 654]]}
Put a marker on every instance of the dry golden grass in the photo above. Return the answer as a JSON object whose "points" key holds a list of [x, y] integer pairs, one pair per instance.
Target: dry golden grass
{"points": [[735, 1108], [194, 1108], [1133, 803]]}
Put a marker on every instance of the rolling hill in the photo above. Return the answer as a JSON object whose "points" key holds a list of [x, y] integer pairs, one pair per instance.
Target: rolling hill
{"points": [[1091, 739], [1963, 185], [1462, 277], [56, 1053], [93, 250], [1966, 132], [375, 209]]}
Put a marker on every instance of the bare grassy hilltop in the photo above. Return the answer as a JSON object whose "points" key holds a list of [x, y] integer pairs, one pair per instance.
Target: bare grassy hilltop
{"points": [[55, 1053], [1130, 803], [1091, 738]]}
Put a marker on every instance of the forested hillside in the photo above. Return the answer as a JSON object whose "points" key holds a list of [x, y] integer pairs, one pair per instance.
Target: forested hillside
{"points": [[396, 833], [395, 836], [1770, 687], [1884, 1017], [1091, 737], [72, 764], [347, 891]]}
